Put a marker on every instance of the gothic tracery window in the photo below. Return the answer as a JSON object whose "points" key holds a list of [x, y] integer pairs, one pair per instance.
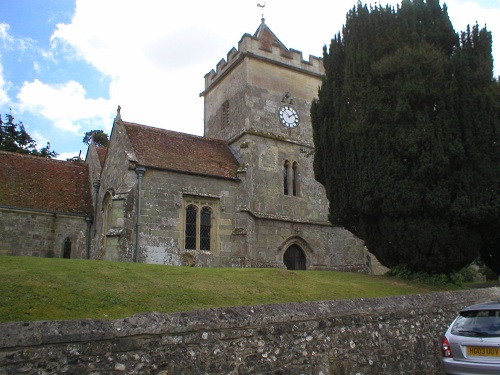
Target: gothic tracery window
{"points": [[199, 225]]}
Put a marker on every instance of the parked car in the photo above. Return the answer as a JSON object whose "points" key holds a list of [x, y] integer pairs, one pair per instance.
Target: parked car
{"points": [[471, 345]]}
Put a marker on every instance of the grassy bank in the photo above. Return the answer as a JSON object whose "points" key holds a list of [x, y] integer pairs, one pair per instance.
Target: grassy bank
{"points": [[41, 288]]}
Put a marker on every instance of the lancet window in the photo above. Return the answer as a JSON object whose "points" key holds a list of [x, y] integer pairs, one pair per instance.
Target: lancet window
{"points": [[291, 178]]}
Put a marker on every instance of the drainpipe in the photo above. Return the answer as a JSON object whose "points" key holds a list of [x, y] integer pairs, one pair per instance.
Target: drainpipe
{"points": [[139, 170], [87, 242], [96, 184]]}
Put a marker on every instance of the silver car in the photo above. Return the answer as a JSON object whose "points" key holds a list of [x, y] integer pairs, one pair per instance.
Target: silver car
{"points": [[471, 345]]}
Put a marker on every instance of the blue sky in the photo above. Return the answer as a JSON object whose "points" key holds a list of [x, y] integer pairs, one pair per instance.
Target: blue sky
{"points": [[65, 65]]}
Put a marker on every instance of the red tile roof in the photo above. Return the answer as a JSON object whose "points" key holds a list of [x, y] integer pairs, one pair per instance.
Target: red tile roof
{"points": [[169, 150], [38, 183], [101, 154], [268, 39]]}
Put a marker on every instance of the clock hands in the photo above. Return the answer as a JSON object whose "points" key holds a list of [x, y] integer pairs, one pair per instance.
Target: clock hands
{"points": [[289, 117]]}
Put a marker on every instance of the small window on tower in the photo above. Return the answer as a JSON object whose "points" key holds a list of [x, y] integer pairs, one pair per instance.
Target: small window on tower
{"points": [[225, 113], [286, 167], [295, 177], [291, 178]]}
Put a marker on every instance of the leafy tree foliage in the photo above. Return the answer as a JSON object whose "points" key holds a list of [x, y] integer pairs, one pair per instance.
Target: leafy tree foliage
{"points": [[15, 138], [406, 129], [98, 136]]}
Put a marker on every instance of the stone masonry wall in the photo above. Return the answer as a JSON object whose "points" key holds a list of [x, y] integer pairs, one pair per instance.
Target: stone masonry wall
{"points": [[398, 335], [42, 233], [165, 195], [280, 218]]}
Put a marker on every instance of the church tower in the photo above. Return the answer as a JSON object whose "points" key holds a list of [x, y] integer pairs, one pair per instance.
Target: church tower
{"points": [[258, 100], [262, 87]]}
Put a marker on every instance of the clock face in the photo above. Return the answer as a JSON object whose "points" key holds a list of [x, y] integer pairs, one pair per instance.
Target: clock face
{"points": [[289, 116]]}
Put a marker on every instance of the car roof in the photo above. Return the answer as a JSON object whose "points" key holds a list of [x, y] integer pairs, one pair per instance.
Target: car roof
{"points": [[493, 305]]}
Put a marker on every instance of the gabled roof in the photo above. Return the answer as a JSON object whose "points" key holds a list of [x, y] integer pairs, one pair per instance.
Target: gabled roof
{"points": [[267, 38], [181, 152], [37, 183]]}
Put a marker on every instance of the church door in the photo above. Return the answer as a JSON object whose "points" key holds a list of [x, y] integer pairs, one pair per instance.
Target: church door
{"points": [[67, 248], [294, 258]]}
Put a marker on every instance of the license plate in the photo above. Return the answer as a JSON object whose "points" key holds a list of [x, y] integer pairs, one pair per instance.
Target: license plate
{"points": [[481, 351]]}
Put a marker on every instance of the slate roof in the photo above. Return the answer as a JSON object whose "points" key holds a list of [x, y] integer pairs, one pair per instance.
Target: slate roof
{"points": [[38, 183], [181, 152]]}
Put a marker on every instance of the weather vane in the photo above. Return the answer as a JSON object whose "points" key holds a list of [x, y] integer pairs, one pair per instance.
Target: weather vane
{"points": [[262, 6]]}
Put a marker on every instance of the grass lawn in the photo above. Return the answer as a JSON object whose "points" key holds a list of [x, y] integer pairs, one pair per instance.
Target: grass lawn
{"points": [[55, 289]]}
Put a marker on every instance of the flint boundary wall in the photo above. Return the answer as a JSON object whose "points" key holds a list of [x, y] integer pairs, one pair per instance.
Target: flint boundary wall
{"points": [[397, 335]]}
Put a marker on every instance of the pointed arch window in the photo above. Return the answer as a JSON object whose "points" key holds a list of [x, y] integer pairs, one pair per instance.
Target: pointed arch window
{"points": [[107, 216], [286, 167], [295, 176], [291, 178], [191, 216], [205, 228], [107, 211]]}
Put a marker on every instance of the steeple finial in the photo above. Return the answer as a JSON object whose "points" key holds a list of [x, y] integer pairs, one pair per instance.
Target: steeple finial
{"points": [[262, 6], [118, 114]]}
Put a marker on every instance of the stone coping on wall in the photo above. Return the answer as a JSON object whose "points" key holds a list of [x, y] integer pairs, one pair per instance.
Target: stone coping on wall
{"points": [[36, 333]]}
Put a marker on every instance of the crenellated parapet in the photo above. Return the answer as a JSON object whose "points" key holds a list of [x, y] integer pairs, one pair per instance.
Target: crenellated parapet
{"points": [[264, 45]]}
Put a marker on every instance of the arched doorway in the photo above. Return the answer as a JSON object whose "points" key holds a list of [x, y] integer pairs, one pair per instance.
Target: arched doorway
{"points": [[294, 258], [67, 248]]}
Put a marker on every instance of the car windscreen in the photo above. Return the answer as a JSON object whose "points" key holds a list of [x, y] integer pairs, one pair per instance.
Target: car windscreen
{"points": [[481, 323]]}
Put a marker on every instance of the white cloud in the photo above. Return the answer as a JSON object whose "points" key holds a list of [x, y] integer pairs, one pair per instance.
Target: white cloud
{"points": [[4, 98], [66, 105], [9, 41], [157, 54], [5, 37], [40, 139], [69, 155]]}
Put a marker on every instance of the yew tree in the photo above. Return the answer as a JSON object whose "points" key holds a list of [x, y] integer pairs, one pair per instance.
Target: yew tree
{"points": [[406, 130]]}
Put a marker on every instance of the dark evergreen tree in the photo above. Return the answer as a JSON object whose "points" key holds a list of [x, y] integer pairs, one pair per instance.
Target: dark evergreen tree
{"points": [[405, 136], [15, 138], [490, 251], [97, 136]]}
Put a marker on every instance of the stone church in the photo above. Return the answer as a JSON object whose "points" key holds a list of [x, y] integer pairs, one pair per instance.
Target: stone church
{"points": [[244, 194]]}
